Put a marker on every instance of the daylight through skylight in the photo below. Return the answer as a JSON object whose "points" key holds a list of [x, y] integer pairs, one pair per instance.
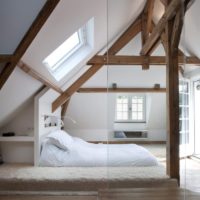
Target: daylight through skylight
{"points": [[64, 51]]}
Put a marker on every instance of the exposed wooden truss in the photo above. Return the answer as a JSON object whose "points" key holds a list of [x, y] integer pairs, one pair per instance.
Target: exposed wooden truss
{"points": [[159, 28], [146, 27], [139, 60], [38, 76], [173, 33], [125, 38], [122, 90], [27, 39], [6, 58]]}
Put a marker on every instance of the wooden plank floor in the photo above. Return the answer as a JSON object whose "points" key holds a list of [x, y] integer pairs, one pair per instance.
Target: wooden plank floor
{"points": [[41, 197], [119, 194], [149, 194]]}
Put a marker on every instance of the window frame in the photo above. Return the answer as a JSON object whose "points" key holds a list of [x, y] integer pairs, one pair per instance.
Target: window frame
{"points": [[130, 120], [82, 41]]}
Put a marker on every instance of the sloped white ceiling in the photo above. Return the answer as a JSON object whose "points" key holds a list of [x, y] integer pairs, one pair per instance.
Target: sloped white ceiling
{"points": [[15, 19], [17, 91], [110, 18]]}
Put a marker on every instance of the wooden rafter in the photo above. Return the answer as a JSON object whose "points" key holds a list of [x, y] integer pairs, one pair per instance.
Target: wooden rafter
{"points": [[122, 90], [159, 28], [139, 60], [177, 28], [124, 39], [6, 58], [24, 67], [146, 27], [27, 39]]}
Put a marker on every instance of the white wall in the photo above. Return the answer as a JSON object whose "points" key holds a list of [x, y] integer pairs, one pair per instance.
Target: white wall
{"points": [[43, 106], [23, 123]]}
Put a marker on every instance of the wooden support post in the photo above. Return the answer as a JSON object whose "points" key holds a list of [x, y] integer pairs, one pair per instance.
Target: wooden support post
{"points": [[173, 29], [146, 27]]}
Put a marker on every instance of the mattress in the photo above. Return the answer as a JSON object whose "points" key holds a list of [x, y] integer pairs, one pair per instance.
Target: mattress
{"points": [[79, 153]]}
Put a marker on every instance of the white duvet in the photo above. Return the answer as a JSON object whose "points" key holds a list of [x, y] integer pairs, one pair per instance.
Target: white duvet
{"points": [[83, 154]]}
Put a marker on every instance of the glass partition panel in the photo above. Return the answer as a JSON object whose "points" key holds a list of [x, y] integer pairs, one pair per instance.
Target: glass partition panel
{"points": [[136, 105]]}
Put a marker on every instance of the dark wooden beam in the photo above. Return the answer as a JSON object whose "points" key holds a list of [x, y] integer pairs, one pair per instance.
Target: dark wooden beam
{"points": [[177, 29], [173, 94], [146, 27], [122, 90], [139, 60], [6, 58], [159, 28], [27, 39], [24, 67], [124, 39]]}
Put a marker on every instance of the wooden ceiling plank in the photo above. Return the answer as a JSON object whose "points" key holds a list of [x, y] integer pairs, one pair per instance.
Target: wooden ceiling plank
{"points": [[28, 38], [24, 67], [124, 39], [121, 90], [159, 28], [139, 60]]}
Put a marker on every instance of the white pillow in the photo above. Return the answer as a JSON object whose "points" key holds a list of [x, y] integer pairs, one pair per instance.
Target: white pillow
{"points": [[61, 139]]}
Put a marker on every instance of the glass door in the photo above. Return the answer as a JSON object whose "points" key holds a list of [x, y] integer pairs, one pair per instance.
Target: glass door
{"points": [[186, 136], [197, 118]]}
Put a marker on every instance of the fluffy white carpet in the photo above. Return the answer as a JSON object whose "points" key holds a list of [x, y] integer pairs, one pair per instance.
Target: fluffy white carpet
{"points": [[26, 172]]}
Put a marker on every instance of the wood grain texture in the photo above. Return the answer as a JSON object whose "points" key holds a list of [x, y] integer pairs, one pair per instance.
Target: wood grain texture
{"points": [[122, 90], [6, 58], [173, 97], [139, 60], [124, 39], [146, 27], [24, 67], [169, 13], [27, 39]]}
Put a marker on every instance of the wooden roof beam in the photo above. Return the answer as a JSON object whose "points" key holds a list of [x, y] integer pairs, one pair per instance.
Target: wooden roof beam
{"points": [[24, 67], [146, 26], [122, 90], [27, 39], [159, 28], [139, 60], [4, 58], [124, 39]]}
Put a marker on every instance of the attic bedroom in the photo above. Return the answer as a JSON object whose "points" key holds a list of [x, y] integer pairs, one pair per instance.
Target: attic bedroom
{"points": [[99, 96]]}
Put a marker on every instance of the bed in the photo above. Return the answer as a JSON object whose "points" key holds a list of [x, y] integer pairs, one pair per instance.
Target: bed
{"points": [[59, 149]]}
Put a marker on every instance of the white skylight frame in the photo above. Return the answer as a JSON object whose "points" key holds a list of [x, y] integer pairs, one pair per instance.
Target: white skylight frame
{"points": [[74, 59], [65, 50]]}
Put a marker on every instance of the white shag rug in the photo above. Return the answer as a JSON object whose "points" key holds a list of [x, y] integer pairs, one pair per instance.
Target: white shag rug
{"points": [[26, 172]]}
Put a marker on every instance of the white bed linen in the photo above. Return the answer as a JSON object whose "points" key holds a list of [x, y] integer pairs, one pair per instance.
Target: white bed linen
{"points": [[84, 154]]}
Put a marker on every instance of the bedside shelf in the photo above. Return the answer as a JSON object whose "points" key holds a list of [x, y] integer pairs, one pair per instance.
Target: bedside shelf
{"points": [[17, 139]]}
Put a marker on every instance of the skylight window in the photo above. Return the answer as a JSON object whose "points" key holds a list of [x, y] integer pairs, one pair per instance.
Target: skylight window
{"points": [[70, 55], [65, 50]]}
